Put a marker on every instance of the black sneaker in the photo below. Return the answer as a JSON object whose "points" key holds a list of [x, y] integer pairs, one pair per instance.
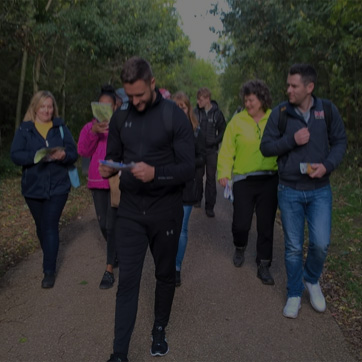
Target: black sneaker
{"points": [[159, 345], [107, 280], [210, 213], [178, 278], [264, 273], [48, 280], [115, 358], [239, 258]]}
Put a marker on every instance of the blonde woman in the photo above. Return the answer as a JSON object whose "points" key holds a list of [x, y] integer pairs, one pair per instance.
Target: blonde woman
{"points": [[45, 185], [189, 197]]}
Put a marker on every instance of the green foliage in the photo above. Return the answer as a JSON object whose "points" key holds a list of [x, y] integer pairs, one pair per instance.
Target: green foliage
{"points": [[266, 36], [75, 46]]}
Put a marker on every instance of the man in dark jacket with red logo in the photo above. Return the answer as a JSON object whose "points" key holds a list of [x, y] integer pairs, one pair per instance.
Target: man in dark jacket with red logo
{"points": [[309, 147], [212, 127], [155, 138]]}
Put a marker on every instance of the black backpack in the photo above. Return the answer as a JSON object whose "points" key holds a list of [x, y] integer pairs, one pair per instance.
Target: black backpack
{"points": [[327, 107]]}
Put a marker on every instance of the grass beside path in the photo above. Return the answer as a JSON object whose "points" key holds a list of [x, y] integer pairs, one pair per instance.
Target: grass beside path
{"points": [[341, 280], [18, 235]]}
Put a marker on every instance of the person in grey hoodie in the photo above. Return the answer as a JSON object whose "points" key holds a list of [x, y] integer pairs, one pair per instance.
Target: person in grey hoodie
{"points": [[309, 147]]}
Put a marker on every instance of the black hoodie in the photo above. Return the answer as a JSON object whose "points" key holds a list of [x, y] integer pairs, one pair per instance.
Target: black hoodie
{"points": [[144, 138]]}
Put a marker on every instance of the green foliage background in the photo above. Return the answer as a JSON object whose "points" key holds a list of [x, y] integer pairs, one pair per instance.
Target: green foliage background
{"points": [[72, 47]]}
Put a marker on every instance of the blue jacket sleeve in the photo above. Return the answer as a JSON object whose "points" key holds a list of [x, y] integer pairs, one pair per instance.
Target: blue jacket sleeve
{"points": [[70, 146], [337, 141], [20, 154]]}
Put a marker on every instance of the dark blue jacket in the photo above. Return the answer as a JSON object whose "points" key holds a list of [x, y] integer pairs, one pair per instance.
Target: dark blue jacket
{"points": [[322, 147], [44, 179]]}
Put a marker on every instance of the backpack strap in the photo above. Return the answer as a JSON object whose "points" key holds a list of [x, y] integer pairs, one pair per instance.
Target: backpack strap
{"points": [[282, 122], [61, 131], [327, 108], [167, 117]]}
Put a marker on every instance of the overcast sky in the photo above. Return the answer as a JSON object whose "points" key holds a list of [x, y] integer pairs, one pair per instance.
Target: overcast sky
{"points": [[196, 23]]}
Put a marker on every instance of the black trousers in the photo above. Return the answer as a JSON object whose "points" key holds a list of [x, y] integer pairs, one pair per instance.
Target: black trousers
{"points": [[106, 216], [210, 184], [133, 236], [259, 193]]}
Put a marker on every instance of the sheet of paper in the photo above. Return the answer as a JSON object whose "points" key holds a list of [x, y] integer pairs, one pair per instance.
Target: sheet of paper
{"points": [[118, 165], [102, 111]]}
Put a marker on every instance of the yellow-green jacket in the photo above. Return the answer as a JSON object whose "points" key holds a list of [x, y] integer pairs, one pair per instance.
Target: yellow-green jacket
{"points": [[239, 153]]}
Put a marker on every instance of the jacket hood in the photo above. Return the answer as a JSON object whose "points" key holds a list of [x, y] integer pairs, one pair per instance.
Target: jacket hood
{"points": [[30, 124]]}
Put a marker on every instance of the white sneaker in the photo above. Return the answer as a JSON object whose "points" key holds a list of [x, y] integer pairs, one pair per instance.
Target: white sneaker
{"points": [[316, 297], [292, 307]]}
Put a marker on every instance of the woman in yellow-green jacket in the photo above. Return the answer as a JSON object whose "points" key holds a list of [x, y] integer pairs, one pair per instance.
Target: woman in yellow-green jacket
{"points": [[254, 177]]}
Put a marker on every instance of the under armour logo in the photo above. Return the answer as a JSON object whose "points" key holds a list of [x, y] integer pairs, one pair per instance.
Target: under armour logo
{"points": [[128, 124], [168, 233]]}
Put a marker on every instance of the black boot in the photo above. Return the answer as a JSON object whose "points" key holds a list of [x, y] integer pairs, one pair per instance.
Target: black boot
{"points": [[264, 273], [239, 256], [178, 278], [48, 281]]}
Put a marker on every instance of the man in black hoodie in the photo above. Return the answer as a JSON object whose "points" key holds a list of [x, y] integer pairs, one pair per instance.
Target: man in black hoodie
{"points": [[212, 126], [154, 138]]}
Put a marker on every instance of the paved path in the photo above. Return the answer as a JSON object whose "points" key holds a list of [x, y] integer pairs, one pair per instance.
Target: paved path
{"points": [[220, 313]]}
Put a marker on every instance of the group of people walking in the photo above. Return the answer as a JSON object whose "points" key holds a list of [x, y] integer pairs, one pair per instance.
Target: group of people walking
{"points": [[163, 150]]}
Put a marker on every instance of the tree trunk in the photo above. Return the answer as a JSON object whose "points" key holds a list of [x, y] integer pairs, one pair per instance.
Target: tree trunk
{"points": [[21, 89], [64, 82], [36, 73]]}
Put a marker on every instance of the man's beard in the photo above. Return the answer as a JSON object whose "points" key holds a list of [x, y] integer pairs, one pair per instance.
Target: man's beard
{"points": [[148, 103]]}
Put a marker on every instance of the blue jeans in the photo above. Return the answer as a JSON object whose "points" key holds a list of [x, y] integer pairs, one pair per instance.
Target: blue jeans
{"points": [[46, 214], [296, 206], [183, 237]]}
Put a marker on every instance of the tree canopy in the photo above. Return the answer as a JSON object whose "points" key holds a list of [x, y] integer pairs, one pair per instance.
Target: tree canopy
{"points": [[265, 37], [72, 47]]}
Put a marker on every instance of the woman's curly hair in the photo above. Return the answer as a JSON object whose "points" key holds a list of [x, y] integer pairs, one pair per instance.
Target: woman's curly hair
{"points": [[260, 89]]}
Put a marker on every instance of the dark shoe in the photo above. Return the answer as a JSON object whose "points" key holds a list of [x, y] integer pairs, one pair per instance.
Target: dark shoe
{"points": [[264, 273], [107, 280], [48, 281], [239, 258], [210, 213], [197, 205], [116, 358], [178, 278], [159, 345]]}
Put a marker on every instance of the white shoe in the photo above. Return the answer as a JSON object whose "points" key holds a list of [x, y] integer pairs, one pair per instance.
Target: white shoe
{"points": [[316, 297], [292, 307]]}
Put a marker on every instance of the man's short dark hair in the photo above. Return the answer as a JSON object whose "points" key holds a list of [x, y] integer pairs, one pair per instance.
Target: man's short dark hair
{"points": [[135, 69], [306, 71], [260, 89]]}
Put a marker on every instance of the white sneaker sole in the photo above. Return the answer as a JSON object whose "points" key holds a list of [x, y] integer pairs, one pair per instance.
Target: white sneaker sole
{"points": [[292, 316]]}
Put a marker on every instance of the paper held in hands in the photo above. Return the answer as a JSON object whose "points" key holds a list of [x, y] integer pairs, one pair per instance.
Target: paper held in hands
{"points": [[118, 165], [306, 168], [102, 111], [44, 154]]}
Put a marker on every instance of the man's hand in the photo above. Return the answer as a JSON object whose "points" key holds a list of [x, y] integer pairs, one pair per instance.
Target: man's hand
{"points": [[318, 170], [106, 171], [143, 172], [302, 136], [223, 181]]}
